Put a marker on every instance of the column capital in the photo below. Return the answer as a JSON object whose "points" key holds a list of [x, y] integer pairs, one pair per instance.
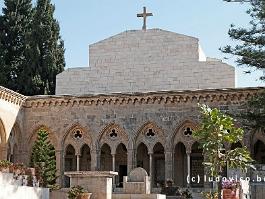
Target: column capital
{"points": [[168, 152], [188, 152], [150, 153]]}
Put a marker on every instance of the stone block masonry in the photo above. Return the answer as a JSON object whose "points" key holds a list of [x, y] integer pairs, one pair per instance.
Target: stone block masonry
{"points": [[143, 61]]}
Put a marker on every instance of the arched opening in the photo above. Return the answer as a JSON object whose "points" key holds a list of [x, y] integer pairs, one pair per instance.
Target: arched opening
{"points": [[236, 145], [259, 152], [105, 158], [13, 153], [121, 164], [180, 165], [159, 165], [196, 165], [142, 157], [13, 144], [2, 141], [69, 162], [85, 158]]}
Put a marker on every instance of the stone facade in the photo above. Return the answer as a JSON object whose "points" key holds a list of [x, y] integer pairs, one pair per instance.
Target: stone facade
{"points": [[134, 127], [123, 131], [144, 61]]}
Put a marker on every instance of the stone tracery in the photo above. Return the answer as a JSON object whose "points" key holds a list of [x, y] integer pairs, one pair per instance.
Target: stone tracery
{"points": [[113, 135], [150, 134]]}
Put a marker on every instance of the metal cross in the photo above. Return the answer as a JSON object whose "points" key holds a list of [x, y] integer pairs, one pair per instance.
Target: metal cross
{"points": [[144, 15]]}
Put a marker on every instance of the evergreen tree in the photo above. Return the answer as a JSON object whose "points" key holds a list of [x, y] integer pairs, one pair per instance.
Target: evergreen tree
{"points": [[14, 31], [43, 157], [251, 52], [31, 49], [48, 46], [3, 71]]}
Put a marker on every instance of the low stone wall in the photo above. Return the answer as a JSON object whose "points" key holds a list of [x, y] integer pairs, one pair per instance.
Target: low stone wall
{"points": [[23, 192]]}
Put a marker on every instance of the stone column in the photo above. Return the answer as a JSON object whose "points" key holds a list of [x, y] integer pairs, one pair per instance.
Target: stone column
{"points": [[113, 167], [113, 162], [151, 167], [130, 160], [94, 164], [58, 155], [188, 167], [168, 165], [63, 168], [77, 162]]}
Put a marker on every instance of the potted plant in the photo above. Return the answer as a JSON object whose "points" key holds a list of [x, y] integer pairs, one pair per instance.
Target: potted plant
{"points": [[230, 189], [78, 192], [4, 166], [210, 195]]}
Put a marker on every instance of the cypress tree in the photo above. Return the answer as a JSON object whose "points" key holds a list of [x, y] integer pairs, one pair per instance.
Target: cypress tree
{"points": [[43, 157], [48, 46], [15, 29]]}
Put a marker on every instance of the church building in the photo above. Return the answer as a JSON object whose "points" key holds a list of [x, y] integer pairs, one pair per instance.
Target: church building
{"points": [[136, 105]]}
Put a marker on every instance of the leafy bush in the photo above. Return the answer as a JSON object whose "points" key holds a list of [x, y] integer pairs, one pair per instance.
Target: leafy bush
{"points": [[5, 164], [75, 191], [210, 195]]}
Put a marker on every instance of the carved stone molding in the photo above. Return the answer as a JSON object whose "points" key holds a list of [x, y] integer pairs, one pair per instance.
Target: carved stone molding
{"points": [[11, 96], [163, 97]]}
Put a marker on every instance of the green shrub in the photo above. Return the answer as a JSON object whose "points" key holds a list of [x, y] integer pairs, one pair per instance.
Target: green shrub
{"points": [[75, 191]]}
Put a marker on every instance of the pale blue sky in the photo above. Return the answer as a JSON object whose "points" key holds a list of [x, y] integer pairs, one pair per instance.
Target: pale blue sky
{"points": [[87, 21]]}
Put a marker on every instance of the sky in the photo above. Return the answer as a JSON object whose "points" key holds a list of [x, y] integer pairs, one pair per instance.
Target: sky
{"points": [[84, 22]]}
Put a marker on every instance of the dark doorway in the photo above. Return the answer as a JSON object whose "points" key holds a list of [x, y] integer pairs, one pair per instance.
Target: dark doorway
{"points": [[122, 172], [121, 163], [69, 163]]}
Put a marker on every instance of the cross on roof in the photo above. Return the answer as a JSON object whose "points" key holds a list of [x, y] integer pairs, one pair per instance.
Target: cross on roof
{"points": [[144, 15]]}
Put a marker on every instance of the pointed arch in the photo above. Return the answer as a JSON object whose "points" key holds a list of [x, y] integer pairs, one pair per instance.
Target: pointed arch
{"points": [[3, 142], [180, 164], [258, 152], [121, 164], [77, 136], [2, 133], [34, 133], [113, 135], [142, 157], [158, 164], [105, 158], [150, 134], [85, 158], [183, 133], [15, 144], [258, 135]]}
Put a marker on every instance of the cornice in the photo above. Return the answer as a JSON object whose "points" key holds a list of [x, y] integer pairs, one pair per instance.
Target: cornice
{"points": [[162, 97], [11, 96]]}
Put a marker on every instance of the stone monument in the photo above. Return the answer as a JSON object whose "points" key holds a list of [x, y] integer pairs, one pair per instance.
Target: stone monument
{"points": [[137, 185], [138, 182], [99, 183]]}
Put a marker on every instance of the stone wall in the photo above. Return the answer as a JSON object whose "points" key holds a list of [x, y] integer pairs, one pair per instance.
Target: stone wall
{"points": [[168, 114], [144, 61], [10, 115], [12, 189]]}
